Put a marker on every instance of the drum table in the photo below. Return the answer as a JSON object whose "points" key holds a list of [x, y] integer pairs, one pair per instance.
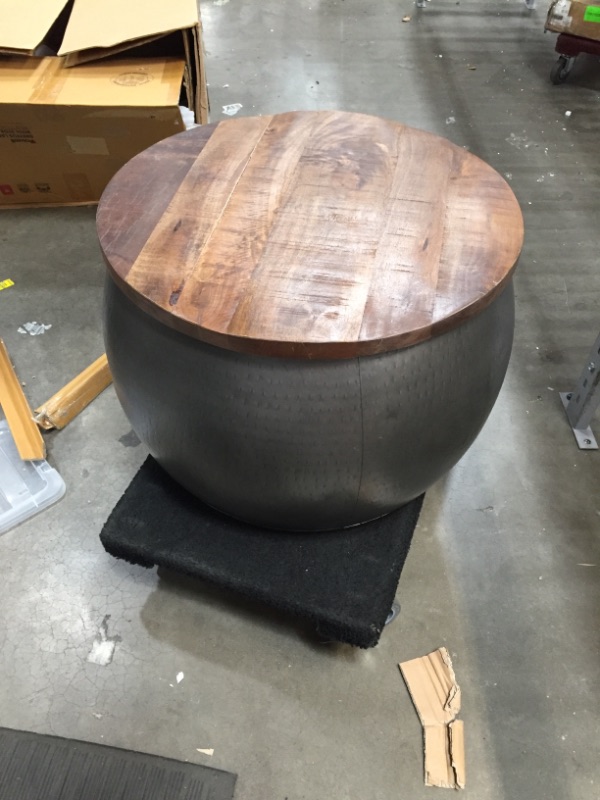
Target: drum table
{"points": [[308, 316]]}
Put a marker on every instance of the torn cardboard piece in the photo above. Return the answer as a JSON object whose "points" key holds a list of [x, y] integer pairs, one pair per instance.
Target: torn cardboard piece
{"points": [[69, 401], [436, 697], [18, 414]]}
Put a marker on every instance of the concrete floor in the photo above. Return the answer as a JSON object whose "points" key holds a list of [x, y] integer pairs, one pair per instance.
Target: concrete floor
{"points": [[505, 564]]}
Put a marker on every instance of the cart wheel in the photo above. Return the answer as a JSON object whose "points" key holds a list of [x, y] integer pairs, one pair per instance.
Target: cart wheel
{"points": [[394, 611], [561, 69]]}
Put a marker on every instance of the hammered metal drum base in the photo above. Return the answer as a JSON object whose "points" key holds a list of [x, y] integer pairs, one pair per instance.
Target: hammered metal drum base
{"points": [[300, 444]]}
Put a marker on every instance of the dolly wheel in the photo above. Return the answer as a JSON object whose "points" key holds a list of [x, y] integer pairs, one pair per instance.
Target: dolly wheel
{"points": [[394, 611], [561, 69]]}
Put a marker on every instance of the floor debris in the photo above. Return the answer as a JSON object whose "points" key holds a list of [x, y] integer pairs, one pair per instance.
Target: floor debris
{"points": [[103, 648], [34, 328], [232, 109], [436, 696]]}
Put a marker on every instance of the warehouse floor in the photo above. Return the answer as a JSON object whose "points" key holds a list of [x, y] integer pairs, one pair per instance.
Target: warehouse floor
{"points": [[505, 564]]}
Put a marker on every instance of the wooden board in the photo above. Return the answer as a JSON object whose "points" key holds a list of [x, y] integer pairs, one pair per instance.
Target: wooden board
{"points": [[70, 401], [310, 234], [13, 403]]}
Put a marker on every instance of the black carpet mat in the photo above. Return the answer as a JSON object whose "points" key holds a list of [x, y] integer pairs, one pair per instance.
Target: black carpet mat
{"points": [[37, 767], [342, 582]]}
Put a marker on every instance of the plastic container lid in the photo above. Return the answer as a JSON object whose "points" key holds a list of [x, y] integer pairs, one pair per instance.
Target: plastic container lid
{"points": [[26, 487]]}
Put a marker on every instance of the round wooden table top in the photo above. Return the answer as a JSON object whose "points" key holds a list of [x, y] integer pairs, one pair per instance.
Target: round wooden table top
{"points": [[310, 234]]}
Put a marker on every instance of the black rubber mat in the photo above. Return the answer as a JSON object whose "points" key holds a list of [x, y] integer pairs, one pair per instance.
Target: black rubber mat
{"points": [[342, 582], [37, 767]]}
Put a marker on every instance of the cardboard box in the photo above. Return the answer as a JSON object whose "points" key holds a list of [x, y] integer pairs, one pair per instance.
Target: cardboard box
{"points": [[86, 31], [65, 132], [576, 17], [118, 72]]}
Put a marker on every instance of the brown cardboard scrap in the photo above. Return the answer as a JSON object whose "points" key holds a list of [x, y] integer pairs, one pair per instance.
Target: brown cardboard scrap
{"points": [[436, 697], [18, 414], [62, 407]]}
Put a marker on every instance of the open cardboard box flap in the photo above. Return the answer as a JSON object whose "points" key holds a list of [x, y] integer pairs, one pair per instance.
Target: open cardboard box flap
{"points": [[98, 29], [24, 29], [90, 25], [91, 30]]}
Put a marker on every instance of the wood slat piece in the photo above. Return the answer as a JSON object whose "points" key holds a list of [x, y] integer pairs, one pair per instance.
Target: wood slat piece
{"points": [[148, 199], [70, 401], [310, 234], [28, 438], [194, 215], [413, 233]]}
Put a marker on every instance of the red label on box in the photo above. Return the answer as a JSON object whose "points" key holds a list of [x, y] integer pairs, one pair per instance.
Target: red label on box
{"points": [[6, 188]]}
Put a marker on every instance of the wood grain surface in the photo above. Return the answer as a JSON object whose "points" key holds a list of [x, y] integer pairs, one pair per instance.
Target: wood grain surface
{"points": [[310, 234]]}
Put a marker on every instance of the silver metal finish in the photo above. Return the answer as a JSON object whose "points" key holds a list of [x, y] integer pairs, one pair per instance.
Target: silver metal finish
{"points": [[582, 403], [306, 445], [583, 436]]}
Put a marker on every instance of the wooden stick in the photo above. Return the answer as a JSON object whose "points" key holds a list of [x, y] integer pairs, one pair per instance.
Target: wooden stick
{"points": [[69, 401], [18, 413]]}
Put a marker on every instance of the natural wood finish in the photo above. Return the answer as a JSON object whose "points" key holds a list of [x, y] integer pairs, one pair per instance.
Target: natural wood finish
{"points": [[70, 401], [310, 234], [18, 414]]}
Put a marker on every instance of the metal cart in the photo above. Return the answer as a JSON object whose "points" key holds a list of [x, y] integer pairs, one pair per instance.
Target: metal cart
{"points": [[569, 47]]}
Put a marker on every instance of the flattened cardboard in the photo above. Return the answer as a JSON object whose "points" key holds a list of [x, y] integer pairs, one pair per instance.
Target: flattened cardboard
{"points": [[18, 414], [64, 133], [436, 697], [575, 17]]}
